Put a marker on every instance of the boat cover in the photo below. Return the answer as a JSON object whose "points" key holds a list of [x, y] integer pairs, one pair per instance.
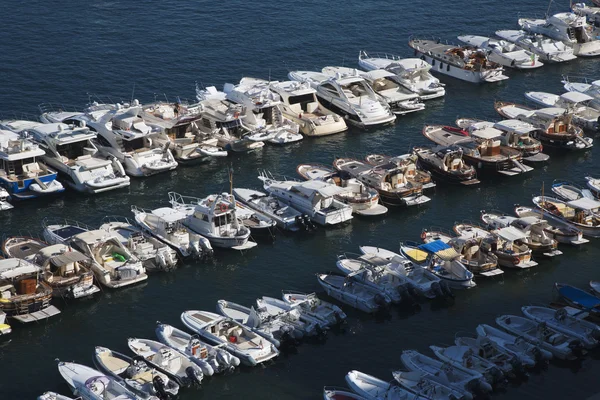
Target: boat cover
{"points": [[576, 97], [584, 204], [579, 296], [440, 249], [510, 233]]}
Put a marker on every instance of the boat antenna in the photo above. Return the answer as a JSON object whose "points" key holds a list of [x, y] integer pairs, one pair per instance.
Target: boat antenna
{"points": [[269, 74], [166, 98], [132, 93], [548, 10]]}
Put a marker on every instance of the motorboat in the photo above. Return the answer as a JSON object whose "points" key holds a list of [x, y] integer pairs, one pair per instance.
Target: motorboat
{"points": [[214, 218], [285, 216], [335, 393], [23, 247], [71, 150], [412, 73], [350, 97], [464, 358], [579, 299], [461, 62], [60, 231], [53, 396], [584, 85], [259, 224], [135, 374], [230, 335], [276, 330], [263, 110], [299, 104], [4, 198], [408, 163], [5, 328], [311, 305], [177, 366], [547, 49], [154, 254], [280, 309], [592, 13], [486, 153], [447, 374], [503, 52], [569, 28], [418, 382], [446, 163], [377, 277], [113, 265], [166, 225], [390, 180], [587, 332], [91, 384], [210, 359], [508, 244], [582, 214], [442, 260], [527, 352], [472, 256], [594, 185], [568, 191], [354, 293], [371, 387], [421, 280], [484, 348], [363, 199], [578, 103], [23, 174], [536, 238], [562, 233], [555, 125], [560, 345], [225, 121], [401, 100], [513, 133], [24, 296], [317, 199]]}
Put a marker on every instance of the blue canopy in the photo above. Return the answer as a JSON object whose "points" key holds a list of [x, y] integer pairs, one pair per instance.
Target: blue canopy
{"points": [[579, 296], [434, 247]]}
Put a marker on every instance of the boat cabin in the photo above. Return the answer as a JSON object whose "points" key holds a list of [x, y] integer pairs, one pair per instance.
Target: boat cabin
{"points": [[517, 133], [298, 96], [175, 119], [18, 159], [451, 158], [70, 142], [60, 262]]}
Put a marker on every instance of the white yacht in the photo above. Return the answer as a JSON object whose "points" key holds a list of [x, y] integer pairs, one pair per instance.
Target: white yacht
{"points": [[461, 62], [350, 97], [263, 110], [583, 115], [585, 86], [401, 100], [568, 27], [166, 224], [412, 73], [23, 175], [72, 152], [592, 13], [215, 218], [314, 198], [547, 49], [503, 52], [299, 103], [113, 265], [4, 197]]}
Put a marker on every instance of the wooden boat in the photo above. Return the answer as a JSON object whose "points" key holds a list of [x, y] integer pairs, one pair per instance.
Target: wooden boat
{"points": [[446, 163], [562, 234], [404, 161], [582, 214]]}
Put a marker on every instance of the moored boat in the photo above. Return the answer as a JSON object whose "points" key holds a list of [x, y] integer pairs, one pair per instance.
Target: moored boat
{"points": [[374, 388], [528, 353], [562, 233], [582, 214], [353, 293], [504, 53], [406, 162], [446, 164]]}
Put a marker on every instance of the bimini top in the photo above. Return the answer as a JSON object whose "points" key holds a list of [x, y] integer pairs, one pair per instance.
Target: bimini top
{"points": [[576, 97], [584, 204], [514, 125], [324, 189], [579, 296], [486, 133], [440, 249], [511, 234], [550, 112], [169, 214], [60, 255], [11, 268]]}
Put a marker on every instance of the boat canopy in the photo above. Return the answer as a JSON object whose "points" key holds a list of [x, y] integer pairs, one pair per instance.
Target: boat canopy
{"points": [[552, 112], [324, 189], [514, 125], [486, 133], [576, 97], [511, 234], [11, 268], [584, 204], [169, 215], [440, 249], [579, 296]]}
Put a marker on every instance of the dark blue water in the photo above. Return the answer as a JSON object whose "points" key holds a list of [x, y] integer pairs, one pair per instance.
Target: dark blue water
{"points": [[62, 51]]}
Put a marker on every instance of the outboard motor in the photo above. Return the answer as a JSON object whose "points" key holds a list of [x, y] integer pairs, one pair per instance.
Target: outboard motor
{"points": [[338, 318], [159, 387], [308, 222], [436, 288], [496, 376], [405, 295], [538, 356], [381, 301], [446, 289], [576, 347], [518, 367], [194, 376], [287, 335], [161, 261], [171, 259]]}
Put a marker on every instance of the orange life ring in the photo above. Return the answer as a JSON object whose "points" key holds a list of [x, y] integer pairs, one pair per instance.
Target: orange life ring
{"points": [[223, 207], [236, 115], [424, 235]]}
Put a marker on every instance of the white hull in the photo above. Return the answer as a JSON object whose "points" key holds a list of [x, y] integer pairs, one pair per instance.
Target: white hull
{"points": [[465, 75]]}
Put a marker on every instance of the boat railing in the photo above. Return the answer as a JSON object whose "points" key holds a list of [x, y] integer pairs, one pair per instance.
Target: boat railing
{"points": [[21, 233], [275, 177], [363, 54], [64, 221], [179, 199], [140, 210], [583, 79], [18, 115], [115, 218], [58, 107]]}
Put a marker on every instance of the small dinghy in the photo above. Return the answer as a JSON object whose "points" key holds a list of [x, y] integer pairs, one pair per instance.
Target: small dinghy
{"points": [[561, 346], [275, 330], [209, 358], [312, 306], [595, 287], [211, 151], [374, 389], [578, 298], [53, 396], [4, 197], [527, 353], [236, 338], [353, 293], [421, 280], [562, 233], [136, 374], [91, 384], [594, 185], [587, 332], [508, 363], [418, 383], [172, 363], [257, 222], [334, 393], [368, 271], [442, 260], [279, 309], [464, 358], [445, 373]]}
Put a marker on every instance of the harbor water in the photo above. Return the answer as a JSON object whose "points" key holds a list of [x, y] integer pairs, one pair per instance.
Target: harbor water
{"points": [[65, 52]]}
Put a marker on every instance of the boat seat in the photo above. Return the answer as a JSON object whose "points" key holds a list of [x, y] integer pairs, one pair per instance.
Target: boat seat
{"points": [[114, 364], [143, 377]]}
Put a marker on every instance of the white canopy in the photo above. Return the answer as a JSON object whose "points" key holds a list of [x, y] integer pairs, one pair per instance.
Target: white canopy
{"points": [[576, 97], [514, 125], [486, 133], [511, 234], [323, 188], [584, 204], [169, 214]]}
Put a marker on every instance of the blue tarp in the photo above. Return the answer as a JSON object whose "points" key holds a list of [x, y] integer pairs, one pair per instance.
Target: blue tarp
{"points": [[434, 247], [579, 296]]}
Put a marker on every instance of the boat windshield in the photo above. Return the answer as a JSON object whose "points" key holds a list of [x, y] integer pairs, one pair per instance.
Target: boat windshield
{"points": [[133, 144], [356, 89], [73, 150], [303, 100], [223, 219], [382, 84]]}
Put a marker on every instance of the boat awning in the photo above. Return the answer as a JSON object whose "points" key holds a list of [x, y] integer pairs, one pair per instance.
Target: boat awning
{"points": [[38, 315], [511, 234], [576, 97], [323, 188], [584, 204], [440, 249], [514, 125], [169, 214], [579, 296], [67, 258], [486, 133]]}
